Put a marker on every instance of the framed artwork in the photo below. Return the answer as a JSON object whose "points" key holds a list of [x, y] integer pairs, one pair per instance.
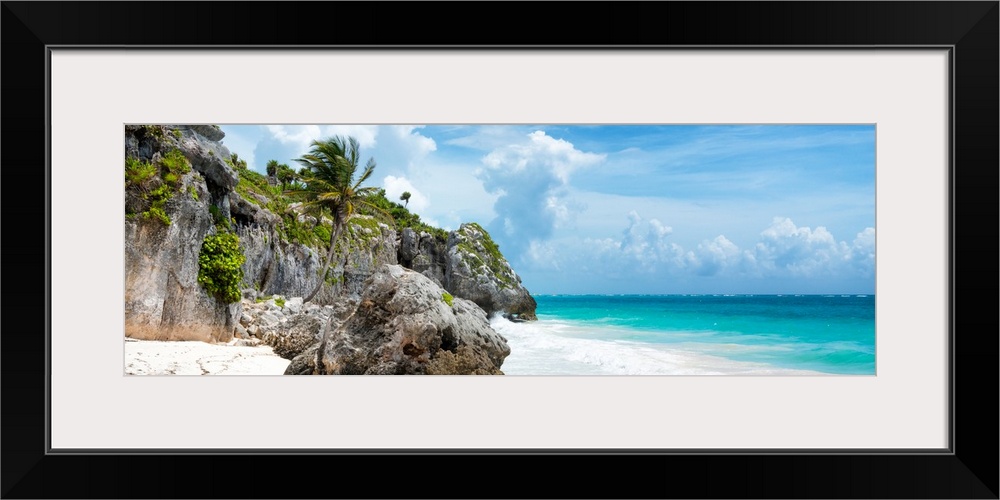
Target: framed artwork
{"points": [[538, 227], [848, 139]]}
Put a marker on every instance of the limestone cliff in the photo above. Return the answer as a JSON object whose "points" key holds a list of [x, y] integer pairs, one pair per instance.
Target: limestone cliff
{"points": [[183, 185], [167, 218]]}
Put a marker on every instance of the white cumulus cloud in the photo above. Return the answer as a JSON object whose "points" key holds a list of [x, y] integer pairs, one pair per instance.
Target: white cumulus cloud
{"points": [[529, 179], [861, 254], [403, 149], [645, 243], [714, 256], [799, 251], [395, 186], [783, 250], [303, 135]]}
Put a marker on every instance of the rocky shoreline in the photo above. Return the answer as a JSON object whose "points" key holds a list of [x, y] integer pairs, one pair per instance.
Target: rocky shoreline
{"points": [[402, 324], [397, 300]]}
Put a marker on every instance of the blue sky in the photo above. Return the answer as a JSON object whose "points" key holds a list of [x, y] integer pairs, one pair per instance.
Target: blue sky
{"points": [[632, 208]]}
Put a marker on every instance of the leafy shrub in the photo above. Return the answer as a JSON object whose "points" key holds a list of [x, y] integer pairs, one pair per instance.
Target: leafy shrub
{"points": [[220, 268], [448, 299]]}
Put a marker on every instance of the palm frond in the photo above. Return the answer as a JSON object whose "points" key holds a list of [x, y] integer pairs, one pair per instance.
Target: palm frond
{"points": [[369, 169], [368, 191], [352, 151], [313, 207], [294, 193], [330, 180], [331, 196], [317, 185]]}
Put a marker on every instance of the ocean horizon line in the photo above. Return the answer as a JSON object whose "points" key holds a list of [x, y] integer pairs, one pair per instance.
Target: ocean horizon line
{"points": [[837, 294]]}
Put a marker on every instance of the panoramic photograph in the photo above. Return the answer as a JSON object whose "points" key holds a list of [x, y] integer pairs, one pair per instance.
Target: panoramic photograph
{"points": [[511, 249]]}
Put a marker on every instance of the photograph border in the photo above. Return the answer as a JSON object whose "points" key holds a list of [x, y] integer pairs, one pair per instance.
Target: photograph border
{"points": [[31, 30]]}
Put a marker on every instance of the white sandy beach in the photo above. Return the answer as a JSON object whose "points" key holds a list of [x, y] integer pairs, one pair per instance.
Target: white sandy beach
{"points": [[149, 357]]}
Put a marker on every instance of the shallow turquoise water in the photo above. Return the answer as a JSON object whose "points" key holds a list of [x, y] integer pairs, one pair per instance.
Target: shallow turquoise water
{"points": [[696, 334]]}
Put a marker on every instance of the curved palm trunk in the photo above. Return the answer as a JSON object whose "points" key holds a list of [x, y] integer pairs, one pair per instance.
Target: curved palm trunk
{"points": [[324, 335], [338, 228]]}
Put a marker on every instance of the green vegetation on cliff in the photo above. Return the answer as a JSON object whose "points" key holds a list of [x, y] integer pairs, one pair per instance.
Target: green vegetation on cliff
{"points": [[220, 266], [256, 188], [487, 253], [315, 206], [150, 185], [406, 219], [286, 194], [307, 202]]}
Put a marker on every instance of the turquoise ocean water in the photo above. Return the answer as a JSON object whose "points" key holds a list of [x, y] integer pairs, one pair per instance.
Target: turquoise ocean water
{"points": [[694, 335]]}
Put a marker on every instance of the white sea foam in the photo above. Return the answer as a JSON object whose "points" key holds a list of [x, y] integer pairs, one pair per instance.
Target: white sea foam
{"points": [[548, 347]]}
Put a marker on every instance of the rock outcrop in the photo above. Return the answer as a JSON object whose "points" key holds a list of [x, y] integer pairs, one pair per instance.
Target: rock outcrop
{"points": [[276, 266], [291, 327], [405, 323], [368, 246], [207, 156], [469, 265], [423, 253], [163, 300], [476, 270], [163, 239]]}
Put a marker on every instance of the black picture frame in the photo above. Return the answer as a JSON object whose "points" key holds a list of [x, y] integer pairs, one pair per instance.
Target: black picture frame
{"points": [[969, 470]]}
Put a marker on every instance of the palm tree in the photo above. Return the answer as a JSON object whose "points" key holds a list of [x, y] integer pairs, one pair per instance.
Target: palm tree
{"points": [[405, 197], [286, 175], [330, 185]]}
